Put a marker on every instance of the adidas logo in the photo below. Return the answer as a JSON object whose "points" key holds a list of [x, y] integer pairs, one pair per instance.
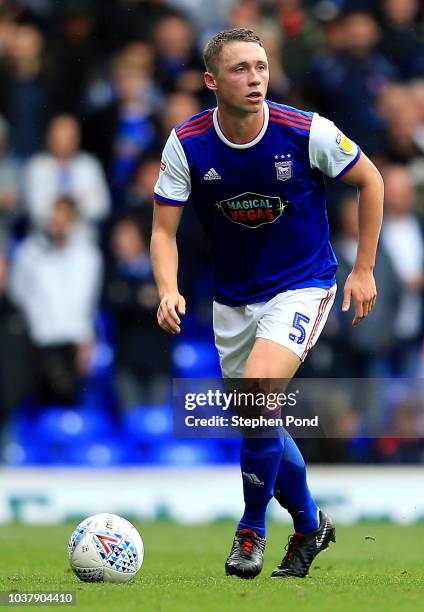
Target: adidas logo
{"points": [[252, 478], [212, 175]]}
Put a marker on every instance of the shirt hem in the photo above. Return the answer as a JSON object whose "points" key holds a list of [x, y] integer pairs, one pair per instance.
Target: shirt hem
{"points": [[350, 164], [312, 284], [169, 201]]}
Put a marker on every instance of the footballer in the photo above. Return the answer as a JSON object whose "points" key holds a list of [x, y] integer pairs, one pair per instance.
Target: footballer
{"points": [[254, 171]]}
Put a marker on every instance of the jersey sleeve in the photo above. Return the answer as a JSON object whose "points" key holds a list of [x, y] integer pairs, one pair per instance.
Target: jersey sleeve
{"points": [[173, 186], [330, 151]]}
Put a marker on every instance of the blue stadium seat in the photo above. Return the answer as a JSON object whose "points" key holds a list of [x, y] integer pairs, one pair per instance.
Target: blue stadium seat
{"points": [[22, 447], [60, 425], [144, 423], [17, 453], [86, 436], [195, 358], [185, 453], [21, 423], [101, 453]]}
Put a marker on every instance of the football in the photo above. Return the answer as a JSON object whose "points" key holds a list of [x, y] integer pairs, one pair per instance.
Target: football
{"points": [[105, 548]]}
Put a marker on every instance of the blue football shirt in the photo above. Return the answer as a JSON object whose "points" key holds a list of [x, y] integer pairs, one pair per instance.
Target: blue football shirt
{"points": [[262, 204]]}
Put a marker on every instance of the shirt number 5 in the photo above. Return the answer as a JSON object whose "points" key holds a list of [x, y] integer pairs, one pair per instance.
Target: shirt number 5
{"points": [[297, 324]]}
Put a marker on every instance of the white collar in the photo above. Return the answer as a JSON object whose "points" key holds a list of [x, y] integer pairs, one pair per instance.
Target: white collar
{"points": [[247, 144]]}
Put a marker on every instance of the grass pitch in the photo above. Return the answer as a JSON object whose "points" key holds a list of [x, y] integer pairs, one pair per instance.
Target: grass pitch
{"points": [[371, 567]]}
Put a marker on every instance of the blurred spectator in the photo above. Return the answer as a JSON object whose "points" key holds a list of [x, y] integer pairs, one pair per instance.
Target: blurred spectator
{"points": [[15, 351], [121, 132], [8, 16], [392, 100], [333, 33], [179, 106], [142, 349], [279, 84], [178, 62], [140, 191], [9, 187], [102, 91], [131, 20], [78, 52], [401, 42], [141, 55], [400, 112], [65, 170], [55, 279], [40, 8], [29, 89], [403, 240], [404, 442], [363, 350], [209, 16], [416, 165], [345, 86], [245, 14], [417, 91], [301, 36]]}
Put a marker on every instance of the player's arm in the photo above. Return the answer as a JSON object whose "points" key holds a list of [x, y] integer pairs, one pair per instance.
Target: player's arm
{"points": [[360, 284], [172, 190], [164, 255], [331, 152]]}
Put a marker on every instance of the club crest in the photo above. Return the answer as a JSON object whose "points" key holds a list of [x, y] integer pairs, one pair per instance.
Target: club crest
{"points": [[284, 170]]}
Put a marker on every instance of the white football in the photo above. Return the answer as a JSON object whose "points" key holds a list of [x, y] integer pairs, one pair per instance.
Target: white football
{"points": [[105, 548]]}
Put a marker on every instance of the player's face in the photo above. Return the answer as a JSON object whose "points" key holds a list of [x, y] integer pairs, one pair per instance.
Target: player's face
{"points": [[242, 77]]}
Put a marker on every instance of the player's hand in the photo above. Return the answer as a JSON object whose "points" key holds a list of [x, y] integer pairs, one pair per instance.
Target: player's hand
{"points": [[171, 306], [359, 287]]}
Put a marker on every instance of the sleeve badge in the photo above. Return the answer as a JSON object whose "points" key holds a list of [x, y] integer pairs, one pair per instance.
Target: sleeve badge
{"points": [[344, 143]]}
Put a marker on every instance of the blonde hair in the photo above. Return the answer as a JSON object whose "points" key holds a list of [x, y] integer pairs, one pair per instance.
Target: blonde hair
{"points": [[214, 46]]}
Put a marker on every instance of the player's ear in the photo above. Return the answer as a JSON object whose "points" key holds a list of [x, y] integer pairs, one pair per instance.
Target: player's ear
{"points": [[210, 81]]}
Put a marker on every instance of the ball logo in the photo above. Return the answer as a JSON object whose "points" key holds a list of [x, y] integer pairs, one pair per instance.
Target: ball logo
{"points": [[107, 542], [252, 209]]}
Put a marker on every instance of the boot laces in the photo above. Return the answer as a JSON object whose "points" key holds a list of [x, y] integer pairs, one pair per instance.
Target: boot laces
{"points": [[247, 540], [292, 546]]}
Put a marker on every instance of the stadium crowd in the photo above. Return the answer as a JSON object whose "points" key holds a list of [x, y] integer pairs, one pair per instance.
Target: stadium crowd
{"points": [[89, 91]]}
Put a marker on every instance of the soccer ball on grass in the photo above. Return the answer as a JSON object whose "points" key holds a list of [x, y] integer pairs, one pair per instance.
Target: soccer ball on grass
{"points": [[105, 548]]}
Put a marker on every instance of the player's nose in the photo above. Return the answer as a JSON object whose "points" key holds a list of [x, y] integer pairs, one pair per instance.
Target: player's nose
{"points": [[254, 78]]}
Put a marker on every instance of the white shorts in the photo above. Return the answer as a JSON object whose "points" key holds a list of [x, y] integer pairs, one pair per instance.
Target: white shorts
{"points": [[293, 319]]}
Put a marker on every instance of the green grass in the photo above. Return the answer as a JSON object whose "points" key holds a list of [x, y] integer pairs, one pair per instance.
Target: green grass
{"points": [[183, 571]]}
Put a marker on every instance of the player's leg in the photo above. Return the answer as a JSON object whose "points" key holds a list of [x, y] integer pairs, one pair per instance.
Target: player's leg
{"points": [[260, 460], [235, 332], [291, 488], [275, 361], [294, 321], [260, 457], [314, 530], [267, 359]]}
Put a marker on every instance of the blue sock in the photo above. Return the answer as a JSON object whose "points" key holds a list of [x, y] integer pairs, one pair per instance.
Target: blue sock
{"points": [[291, 489], [259, 462]]}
